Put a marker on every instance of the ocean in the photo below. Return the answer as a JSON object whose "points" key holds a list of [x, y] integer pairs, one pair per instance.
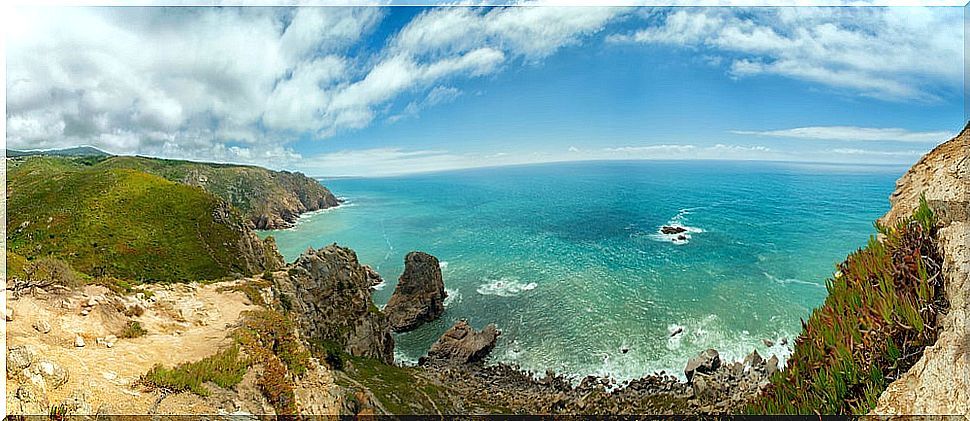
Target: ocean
{"points": [[568, 261]]}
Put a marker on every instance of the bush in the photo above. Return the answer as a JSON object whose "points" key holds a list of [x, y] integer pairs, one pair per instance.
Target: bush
{"points": [[225, 369], [881, 312], [133, 330], [50, 271]]}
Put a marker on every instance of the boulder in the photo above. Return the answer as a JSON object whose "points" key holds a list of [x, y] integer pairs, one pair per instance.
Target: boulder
{"points": [[79, 341], [705, 362], [42, 326], [420, 293], [47, 374], [753, 359], [462, 344], [701, 387], [771, 366], [18, 358], [31, 399]]}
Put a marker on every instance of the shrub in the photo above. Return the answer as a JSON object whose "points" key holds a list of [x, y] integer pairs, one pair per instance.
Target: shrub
{"points": [[50, 271], [133, 330], [225, 369], [881, 312]]}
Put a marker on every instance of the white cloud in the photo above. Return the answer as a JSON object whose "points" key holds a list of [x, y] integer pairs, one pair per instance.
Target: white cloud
{"points": [[245, 82], [851, 151], [851, 133], [906, 53]]}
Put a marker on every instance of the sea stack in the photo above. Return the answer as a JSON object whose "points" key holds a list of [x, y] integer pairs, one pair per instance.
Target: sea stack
{"points": [[420, 293]]}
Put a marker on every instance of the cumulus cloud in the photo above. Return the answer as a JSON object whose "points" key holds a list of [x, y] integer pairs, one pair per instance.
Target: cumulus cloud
{"points": [[244, 83], [851, 133], [908, 53]]}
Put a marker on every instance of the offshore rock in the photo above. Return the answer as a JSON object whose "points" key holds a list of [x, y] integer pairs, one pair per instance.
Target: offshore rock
{"points": [[462, 344], [329, 296], [420, 293]]}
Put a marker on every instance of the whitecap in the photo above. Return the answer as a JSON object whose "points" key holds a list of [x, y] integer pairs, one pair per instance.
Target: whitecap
{"points": [[787, 281], [443, 265], [453, 296], [505, 287], [380, 286]]}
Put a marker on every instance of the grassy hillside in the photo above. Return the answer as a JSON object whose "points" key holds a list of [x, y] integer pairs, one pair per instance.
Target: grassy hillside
{"points": [[270, 199], [122, 222]]}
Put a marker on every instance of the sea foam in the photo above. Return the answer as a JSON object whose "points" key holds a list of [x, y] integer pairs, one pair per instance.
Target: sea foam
{"points": [[505, 287]]}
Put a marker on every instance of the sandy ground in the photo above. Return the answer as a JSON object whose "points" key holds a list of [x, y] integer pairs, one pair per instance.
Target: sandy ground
{"points": [[185, 322]]}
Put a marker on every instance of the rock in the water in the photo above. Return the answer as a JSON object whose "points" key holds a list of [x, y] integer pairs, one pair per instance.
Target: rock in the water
{"points": [[768, 342], [18, 358], [42, 326], [420, 293], [373, 278], [667, 229], [78, 341], [329, 297], [705, 362], [462, 344]]}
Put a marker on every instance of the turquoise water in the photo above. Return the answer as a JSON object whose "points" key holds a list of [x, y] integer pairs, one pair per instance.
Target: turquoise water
{"points": [[567, 259]]}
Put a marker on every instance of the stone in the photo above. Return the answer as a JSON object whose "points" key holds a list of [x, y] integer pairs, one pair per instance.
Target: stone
{"points": [[18, 358], [667, 229], [784, 341], [420, 293], [753, 359], [9, 314], [51, 374], [42, 326], [768, 342], [462, 344], [32, 400], [78, 341], [91, 302], [704, 362], [701, 387], [771, 366], [372, 277], [84, 312]]}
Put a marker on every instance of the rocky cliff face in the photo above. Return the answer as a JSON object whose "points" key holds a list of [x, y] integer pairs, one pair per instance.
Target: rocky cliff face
{"points": [[420, 293], [939, 383], [327, 293], [253, 255]]}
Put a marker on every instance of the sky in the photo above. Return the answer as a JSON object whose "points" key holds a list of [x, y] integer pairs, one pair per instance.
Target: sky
{"points": [[375, 91]]}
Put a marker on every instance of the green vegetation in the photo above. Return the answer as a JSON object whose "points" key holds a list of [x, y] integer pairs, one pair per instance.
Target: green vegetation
{"points": [[118, 222], [225, 369], [269, 337], [133, 330], [252, 190], [881, 312]]}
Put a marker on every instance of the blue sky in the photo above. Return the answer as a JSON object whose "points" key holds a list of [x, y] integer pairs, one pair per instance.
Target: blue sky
{"points": [[392, 90]]}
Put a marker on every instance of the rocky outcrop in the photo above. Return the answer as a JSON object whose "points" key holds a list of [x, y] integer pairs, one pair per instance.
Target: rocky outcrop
{"points": [[327, 293], [939, 383], [462, 344], [250, 253], [420, 293]]}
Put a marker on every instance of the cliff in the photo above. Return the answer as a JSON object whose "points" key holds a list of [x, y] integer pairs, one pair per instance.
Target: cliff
{"points": [[269, 199], [128, 224], [939, 383]]}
